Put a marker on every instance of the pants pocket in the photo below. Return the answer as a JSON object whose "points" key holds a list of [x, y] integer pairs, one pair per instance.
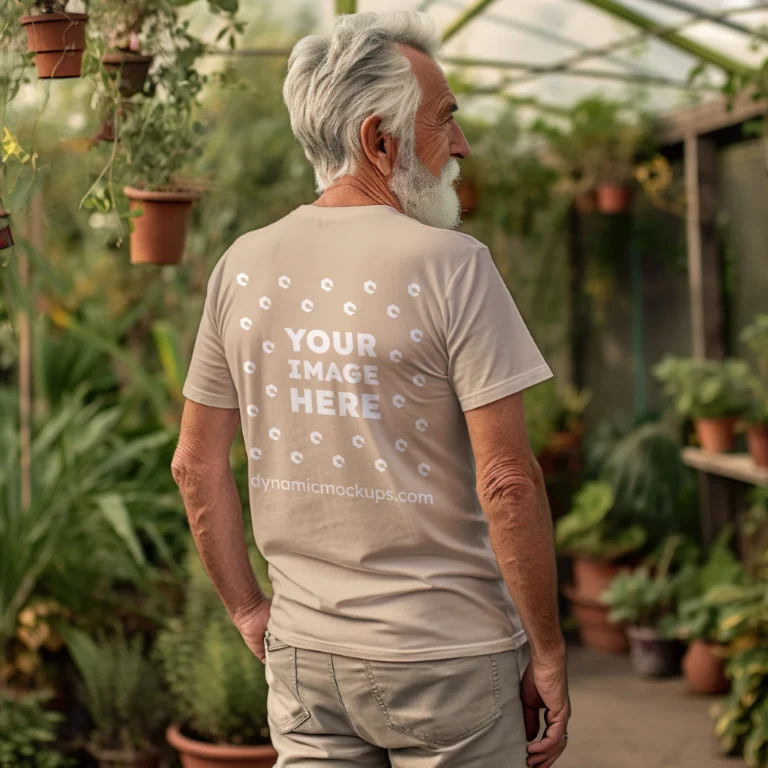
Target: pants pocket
{"points": [[437, 702], [285, 709]]}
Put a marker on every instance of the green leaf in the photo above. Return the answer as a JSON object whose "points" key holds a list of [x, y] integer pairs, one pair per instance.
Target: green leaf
{"points": [[116, 514]]}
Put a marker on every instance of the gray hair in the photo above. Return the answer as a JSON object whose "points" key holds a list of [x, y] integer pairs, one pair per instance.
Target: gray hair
{"points": [[338, 80]]}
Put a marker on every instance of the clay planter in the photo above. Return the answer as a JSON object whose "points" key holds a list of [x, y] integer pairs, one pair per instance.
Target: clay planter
{"points": [[614, 198], [716, 435], [586, 202], [467, 192], [704, 670], [595, 631], [757, 440], [198, 754], [160, 232], [592, 577], [58, 42], [131, 68], [653, 655], [112, 758]]}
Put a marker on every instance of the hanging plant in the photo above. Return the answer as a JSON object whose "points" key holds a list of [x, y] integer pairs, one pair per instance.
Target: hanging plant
{"points": [[56, 37]]}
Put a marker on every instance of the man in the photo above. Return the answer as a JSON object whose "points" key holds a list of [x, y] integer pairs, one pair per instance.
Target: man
{"points": [[368, 352]]}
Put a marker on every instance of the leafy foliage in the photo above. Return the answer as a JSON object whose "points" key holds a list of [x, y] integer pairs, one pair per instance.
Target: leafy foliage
{"points": [[218, 684], [121, 690], [589, 530], [706, 388], [552, 408], [27, 733]]}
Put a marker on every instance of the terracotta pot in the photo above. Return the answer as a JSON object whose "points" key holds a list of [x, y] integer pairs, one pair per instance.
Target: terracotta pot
{"points": [[467, 192], [592, 577], [704, 670], [114, 758], [198, 754], [595, 630], [653, 655], [58, 42], [6, 236], [131, 68], [614, 198], [716, 435], [160, 232], [586, 202], [757, 440]]}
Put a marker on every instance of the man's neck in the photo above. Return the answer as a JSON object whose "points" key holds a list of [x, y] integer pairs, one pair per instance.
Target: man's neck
{"points": [[353, 191]]}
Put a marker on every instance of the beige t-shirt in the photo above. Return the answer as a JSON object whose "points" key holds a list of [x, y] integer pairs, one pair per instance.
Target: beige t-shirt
{"points": [[352, 340]]}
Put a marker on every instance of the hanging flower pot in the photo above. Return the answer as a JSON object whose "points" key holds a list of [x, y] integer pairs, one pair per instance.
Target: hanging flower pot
{"points": [[199, 754], [613, 198], [58, 42], [6, 236], [131, 69], [757, 440], [716, 435], [160, 230], [586, 202]]}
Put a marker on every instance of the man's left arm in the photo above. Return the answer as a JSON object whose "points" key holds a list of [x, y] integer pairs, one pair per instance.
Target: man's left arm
{"points": [[202, 471]]}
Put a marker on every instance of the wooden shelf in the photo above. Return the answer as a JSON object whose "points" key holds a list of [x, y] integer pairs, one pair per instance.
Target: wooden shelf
{"points": [[736, 466]]}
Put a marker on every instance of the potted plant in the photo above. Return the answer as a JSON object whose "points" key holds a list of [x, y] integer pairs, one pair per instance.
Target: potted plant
{"points": [[56, 37], [645, 600], [124, 697], [222, 713], [755, 336], [700, 616], [589, 535], [714, 393], [28, 732]]}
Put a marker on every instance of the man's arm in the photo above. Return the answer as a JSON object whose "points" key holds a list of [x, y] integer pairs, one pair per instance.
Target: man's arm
{"points": [[510, 486], [201, 470]]}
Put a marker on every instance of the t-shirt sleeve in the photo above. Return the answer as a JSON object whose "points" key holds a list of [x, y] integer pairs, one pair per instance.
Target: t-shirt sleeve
{"points": [[491, 353], [209, 379]]}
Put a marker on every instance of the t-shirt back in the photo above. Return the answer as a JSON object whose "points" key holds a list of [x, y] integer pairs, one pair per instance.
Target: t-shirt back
{"points": [[352, 340]]}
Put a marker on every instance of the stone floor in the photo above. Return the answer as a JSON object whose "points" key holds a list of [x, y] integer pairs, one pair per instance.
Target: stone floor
{"points": [[623, 721]]}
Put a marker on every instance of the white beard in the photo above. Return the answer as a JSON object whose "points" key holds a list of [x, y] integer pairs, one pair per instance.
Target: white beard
{"points": [[432, 200]]}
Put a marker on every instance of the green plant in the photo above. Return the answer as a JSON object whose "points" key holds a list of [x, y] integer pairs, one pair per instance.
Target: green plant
{"points": [[551, 408], [755, 336], [706, 389], [589, 530], [742, 719], [647, 596], [121, 690], [218, 684], [28, 733]]}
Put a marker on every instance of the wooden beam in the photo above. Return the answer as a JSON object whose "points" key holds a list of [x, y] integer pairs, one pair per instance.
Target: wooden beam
{"points": [[708, 117], [346, 6], [466, 16], [715, 18], [704, 263]]}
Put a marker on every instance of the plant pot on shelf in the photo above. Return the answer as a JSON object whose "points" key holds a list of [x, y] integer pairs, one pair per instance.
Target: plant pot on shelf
{"points": [[757, 440], [614, 198], [58, 42], [160, 231], [198, 754], [592, 577], [653, 655], [131, 68], [595, 630], [716, 435], [704, 669], [115, 758]]}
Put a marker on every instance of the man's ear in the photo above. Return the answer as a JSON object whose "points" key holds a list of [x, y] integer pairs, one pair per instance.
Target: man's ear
{"points": [[380, 149]]}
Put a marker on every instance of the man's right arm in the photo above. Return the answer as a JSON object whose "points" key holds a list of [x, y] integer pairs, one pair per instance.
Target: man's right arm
{"points": [[510, 486]]}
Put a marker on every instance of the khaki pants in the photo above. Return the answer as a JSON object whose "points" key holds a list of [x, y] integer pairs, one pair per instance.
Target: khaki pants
{"points": [[340, 711]]}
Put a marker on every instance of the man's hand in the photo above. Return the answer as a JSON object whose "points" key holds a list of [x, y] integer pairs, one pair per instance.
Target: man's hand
{"points": [[545, 686], [253, 625]]}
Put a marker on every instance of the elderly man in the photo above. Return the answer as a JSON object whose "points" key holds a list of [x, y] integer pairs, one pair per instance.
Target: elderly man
{"points": [[369, 352]]}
